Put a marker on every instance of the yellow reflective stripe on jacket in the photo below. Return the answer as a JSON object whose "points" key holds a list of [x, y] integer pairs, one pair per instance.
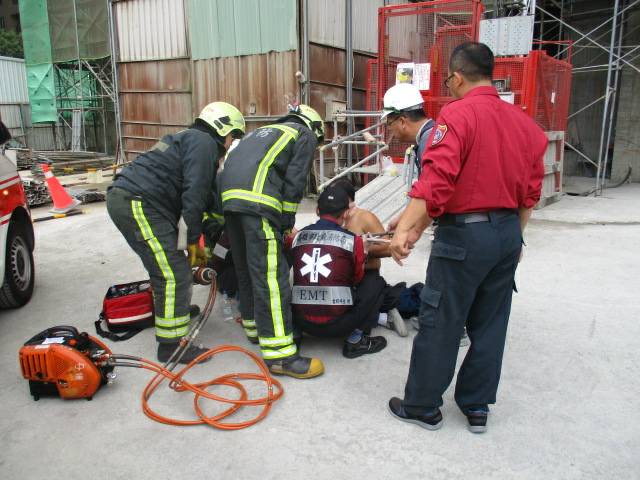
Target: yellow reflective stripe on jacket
{"points": [[276, 341], [239, 194], [172, 322], [271, 354], [289, 207], [288, 134], [172, 332], [161, 258], [272, 279]]}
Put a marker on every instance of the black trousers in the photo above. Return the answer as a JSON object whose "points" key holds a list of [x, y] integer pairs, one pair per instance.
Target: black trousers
{"points": [[263, 283], [368, 299], [469, 280]]}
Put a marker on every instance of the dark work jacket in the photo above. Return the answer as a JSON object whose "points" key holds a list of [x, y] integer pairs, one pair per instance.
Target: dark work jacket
{"points": [[177, 176], [266, 174]]}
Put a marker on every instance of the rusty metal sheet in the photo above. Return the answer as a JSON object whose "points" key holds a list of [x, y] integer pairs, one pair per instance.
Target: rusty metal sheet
{"points": [[321, 94], [161, 76], [257, 84], [156, 100], [327, 66]]}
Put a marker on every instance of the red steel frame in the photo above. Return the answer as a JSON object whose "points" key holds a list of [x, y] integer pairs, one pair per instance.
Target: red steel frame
{"points": [[541, 84]]}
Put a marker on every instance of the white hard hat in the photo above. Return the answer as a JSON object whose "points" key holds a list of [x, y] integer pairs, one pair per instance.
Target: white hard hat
{"points": [[401, 98]]}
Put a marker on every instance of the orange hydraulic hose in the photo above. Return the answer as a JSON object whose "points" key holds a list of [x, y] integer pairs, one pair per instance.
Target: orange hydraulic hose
{"points": [[178, 384]]}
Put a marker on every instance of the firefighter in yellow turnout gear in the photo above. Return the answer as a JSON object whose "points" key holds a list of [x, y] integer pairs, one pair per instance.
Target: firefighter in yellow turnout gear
{"points": [[261, 185]]}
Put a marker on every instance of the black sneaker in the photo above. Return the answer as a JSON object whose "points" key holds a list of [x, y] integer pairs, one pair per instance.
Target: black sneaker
{"points": [[194, 311], [366, 344], [432, 421], [165, 350], [477, 418]]}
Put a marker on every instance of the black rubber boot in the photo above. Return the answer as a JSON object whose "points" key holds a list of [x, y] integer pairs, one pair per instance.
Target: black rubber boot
{"points": [[194, 311]]}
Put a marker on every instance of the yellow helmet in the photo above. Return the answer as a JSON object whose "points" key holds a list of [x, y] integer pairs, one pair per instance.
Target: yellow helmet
{"points": [[310, 117], [224, 118]]}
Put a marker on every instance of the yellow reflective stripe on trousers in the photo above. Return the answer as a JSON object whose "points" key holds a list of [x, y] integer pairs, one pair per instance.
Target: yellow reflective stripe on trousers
{"points": [[276, 341], [249, 323], [172, 332], [272, 279], [272, 153], [289, 207], [239, 194], [173, 322], [269, 354], [161, 258], [251, 332]]}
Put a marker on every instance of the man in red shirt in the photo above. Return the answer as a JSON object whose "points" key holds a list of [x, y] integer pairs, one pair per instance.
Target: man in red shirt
{"points": [[482, 176]]}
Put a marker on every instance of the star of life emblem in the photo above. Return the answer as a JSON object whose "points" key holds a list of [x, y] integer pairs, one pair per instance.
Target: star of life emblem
{"points": [[314, 265]]}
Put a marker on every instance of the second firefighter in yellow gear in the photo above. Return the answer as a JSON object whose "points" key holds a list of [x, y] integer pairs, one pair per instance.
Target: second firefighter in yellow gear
{"points": [[263, 181]]}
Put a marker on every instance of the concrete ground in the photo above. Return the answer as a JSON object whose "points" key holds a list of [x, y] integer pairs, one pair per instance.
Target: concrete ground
{"points": [[567, 406]]}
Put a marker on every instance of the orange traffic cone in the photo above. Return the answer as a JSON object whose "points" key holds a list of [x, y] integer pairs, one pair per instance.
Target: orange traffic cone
{"points": [[62, 201]]}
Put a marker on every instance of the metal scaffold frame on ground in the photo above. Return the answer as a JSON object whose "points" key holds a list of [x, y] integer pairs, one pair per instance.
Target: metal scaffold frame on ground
{"points": [[608, 36]]}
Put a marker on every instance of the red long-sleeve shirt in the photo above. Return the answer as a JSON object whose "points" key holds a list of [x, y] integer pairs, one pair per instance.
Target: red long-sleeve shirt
{"points": [[483, 154]]}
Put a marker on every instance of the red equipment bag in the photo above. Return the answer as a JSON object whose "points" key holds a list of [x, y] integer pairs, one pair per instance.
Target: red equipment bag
{"points": [[128, 309]]}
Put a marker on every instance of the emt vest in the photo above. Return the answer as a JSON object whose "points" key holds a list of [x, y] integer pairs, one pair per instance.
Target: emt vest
{"points": [[324, 264]]}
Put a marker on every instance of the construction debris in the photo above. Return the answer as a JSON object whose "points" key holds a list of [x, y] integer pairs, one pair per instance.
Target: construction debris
{"points": [[87, 196], [36, 192], [61, 162]]}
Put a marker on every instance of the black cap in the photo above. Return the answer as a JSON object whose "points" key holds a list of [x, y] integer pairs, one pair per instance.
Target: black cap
{"points": [[333, 200]]}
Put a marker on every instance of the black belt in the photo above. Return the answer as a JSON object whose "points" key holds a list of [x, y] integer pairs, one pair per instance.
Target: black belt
{"points": [[475, 217]]}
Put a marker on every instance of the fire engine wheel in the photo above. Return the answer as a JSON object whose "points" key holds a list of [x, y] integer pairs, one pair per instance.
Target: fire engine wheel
{"points": [[17, 287]]}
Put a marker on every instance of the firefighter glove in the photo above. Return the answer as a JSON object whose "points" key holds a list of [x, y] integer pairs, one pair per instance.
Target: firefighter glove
{"points": [[197, 255]]}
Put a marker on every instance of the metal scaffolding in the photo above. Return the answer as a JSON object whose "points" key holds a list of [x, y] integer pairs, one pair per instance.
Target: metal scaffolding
{"points": [[555, 21]]}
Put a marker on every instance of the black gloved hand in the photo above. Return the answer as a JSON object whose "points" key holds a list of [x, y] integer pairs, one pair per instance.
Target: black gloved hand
{"points": [[287, 221]]}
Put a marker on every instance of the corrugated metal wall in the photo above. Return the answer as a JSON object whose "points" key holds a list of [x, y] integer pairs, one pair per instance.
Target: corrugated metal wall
{"points": [[13, 81], [156, 99], [224, 28], [151, 29], [327, 65], [256, 84], [326, 23]]}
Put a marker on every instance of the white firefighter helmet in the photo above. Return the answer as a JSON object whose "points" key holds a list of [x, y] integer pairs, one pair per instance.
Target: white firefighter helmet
{"points": [[224, 118], [402, 97], [310, 117]]}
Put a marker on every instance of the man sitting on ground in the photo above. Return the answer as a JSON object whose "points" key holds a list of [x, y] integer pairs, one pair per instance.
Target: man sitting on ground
{"points": [[360, 222], [331, 296]]}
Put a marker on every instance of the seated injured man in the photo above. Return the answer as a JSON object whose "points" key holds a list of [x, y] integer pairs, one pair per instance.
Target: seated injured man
{"points": [[362, 222], [331, 295]]}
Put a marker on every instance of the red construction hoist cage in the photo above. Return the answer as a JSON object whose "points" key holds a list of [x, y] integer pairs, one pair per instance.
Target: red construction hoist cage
{"points": [[428, 32]]}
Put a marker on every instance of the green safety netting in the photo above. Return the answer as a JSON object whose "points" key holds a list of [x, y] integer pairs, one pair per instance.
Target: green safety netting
{"points": [[41, 86], [56, 32], [89, 33], [35, 31]]}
